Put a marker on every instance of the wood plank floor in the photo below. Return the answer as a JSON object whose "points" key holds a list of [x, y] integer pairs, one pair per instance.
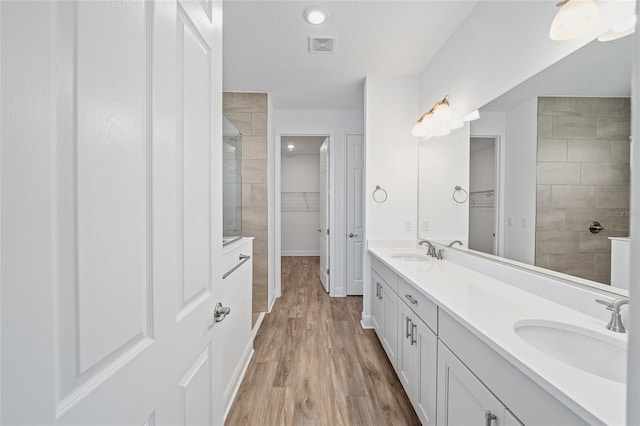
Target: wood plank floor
{"points": [[315, 365]]}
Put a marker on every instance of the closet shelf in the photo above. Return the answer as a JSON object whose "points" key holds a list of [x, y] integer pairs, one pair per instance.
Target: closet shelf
{"points": [[305, 202]]}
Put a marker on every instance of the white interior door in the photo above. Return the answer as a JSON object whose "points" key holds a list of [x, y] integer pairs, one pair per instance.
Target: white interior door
{"points": [[111, 219], [355, 214], [324, 214]]}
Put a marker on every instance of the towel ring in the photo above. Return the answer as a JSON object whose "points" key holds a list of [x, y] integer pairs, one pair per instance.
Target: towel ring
{"points": [[459, 199], [379, 194]]}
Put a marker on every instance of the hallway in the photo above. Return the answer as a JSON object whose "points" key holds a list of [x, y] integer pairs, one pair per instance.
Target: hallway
{"points": [[315, 365]]}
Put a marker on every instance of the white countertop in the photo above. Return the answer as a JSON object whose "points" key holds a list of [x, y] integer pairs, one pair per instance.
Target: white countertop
{"points": [[489, 308]]}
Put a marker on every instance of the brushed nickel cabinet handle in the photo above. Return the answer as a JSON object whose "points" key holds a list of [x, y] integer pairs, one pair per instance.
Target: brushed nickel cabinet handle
{"points": [[411, 299], [243, 258], [407, 332], [489, 417]]}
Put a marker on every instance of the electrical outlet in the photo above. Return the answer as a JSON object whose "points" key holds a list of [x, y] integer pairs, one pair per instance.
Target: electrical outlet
{"points": [[407, 225], [509, 221], [426, 226]]}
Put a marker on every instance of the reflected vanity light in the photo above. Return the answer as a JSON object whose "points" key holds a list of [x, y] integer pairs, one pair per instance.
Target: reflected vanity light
{"points": [[625, 28], [440, 120], [573, 19]]}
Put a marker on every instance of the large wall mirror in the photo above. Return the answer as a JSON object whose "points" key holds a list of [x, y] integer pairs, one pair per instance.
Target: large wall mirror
{"points": [[546, 170]]}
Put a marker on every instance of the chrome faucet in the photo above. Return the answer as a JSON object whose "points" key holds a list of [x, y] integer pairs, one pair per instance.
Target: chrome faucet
{"points": [[615, 324], [455, 242], [431, 251]]}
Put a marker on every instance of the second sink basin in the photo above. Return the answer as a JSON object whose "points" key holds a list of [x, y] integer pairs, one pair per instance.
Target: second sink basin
{"points": [[590, 351], [411, 257]]}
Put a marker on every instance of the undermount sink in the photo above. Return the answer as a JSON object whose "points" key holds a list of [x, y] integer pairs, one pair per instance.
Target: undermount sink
{"points": [[411, 257], [590, 351]]}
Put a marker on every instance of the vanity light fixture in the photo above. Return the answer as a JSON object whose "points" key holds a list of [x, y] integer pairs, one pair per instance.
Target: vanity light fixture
{"points": [[316, 15], [573, 19], [473, 115], [432, 121], [621, 30], [291, 147]]}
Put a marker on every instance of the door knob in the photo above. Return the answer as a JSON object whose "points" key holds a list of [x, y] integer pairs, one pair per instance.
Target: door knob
{"points": [[351, 235], [220, 312]]}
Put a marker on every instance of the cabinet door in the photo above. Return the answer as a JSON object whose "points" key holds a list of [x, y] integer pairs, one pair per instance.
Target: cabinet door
{"points": [[424, 401], [407, 351], [390, 323], [462, 398], [377, 311]]}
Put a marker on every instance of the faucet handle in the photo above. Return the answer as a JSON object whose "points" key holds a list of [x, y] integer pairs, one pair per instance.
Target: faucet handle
{"points": [[606, 303]]}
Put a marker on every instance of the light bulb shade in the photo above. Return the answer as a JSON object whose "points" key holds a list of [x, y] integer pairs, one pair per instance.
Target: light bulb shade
{"points": [[443, 131], [574, 19], [622, 30], [442, 114], [456, 125], [423, 128]]}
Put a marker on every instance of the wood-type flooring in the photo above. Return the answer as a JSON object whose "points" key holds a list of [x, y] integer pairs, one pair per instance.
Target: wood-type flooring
{"points": [[315, 365]]}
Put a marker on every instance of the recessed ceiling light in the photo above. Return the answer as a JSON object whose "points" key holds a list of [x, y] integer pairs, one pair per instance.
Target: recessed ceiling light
{"points": [[316, 15], [291, 147]]}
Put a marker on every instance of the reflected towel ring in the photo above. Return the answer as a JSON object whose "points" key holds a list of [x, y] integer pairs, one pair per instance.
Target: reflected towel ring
{"points": [[459, 199], [379, 194]]}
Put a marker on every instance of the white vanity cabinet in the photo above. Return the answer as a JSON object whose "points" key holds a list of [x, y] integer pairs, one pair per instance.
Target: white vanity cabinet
{"points": [[417, 362], [463, 399], [385, 311]]}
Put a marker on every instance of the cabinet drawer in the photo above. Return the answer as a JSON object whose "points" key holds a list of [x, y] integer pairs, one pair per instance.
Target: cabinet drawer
{"points": [[423, 307], [385, 273]]}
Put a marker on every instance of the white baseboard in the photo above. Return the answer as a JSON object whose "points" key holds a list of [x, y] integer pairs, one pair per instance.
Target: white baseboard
{"points": [[232, 390], [366, 321], [300, 253]]}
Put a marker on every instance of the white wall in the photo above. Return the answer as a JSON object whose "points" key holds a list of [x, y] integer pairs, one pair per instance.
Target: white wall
{"points": [[337, 124], [506, 60], [391, 109], [444, 164], [520, 198], [300, 173], [633, 390]]}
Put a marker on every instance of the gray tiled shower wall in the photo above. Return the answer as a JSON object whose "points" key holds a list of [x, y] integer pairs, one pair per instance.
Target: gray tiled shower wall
{"points": [[582, 176]]}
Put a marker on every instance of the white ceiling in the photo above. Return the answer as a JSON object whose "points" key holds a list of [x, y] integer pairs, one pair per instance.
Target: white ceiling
{"points": [[597, 69], [266, 47], [304, 145]]}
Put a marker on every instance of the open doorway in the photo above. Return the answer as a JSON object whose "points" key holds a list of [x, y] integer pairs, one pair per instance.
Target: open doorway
{"points": [[483, 187], [304, 200]]}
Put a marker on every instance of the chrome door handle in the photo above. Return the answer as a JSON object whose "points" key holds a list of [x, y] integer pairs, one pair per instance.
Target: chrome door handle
{"points": [[411, 299], [489, 417], [220, 312], [351, 235]]}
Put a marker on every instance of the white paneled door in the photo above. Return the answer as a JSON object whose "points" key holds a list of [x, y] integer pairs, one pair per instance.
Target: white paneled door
{"points": [[324, 215], [111, 211], [355, 214]]}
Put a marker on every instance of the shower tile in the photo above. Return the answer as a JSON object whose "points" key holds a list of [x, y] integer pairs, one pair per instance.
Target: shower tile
{"points": [[543, 196], [552, 150], [545, 126], [556, 242], [254, 219], [612, 197], [551, 219], [618, 221], [579, 219], [613, 128], [603, 174], [559, 106], [259, 124], [254, 148], [246, 195], [605, 107], [595, 243], [572, 263], [588, 151], [574, 127], [244, 102], [602, 264], [254, 171], [259, 195], [558, 173], [621, 151], [572, 196]]}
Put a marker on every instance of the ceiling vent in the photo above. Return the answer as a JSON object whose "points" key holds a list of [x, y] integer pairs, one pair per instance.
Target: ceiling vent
{"points": [[322, 44]]}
